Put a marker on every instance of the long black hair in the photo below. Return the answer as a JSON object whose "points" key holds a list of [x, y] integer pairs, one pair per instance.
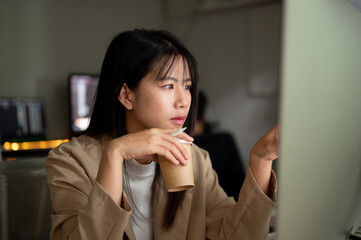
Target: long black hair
{"points": [[130, 57]]}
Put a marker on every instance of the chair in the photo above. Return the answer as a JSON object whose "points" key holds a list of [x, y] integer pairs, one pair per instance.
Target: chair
{"points": [[225, 159], [25, 205]]}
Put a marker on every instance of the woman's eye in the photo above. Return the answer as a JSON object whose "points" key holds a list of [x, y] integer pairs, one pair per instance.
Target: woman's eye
{"points": [[168, 86], [188, 87]]}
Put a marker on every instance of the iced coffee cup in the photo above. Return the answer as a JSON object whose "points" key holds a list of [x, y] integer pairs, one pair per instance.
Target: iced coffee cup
{"points": [[178, 177]]}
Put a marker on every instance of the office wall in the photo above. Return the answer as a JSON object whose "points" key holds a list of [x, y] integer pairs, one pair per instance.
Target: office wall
{"points": [[237, 48], [43, 41]]}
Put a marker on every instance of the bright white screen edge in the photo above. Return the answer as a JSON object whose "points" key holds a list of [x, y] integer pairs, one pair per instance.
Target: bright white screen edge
{"points": [[320, 155]]}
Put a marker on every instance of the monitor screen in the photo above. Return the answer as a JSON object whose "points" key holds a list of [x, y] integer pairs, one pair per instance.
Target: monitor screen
{"points": [[320, 153], [82, 89], [22, 117]]}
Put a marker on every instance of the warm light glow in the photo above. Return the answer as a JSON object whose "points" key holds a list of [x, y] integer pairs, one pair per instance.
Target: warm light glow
{"points": [[58, 142], [42, 145], [7, 146], [33, 145], [14, 146], [24, 146]]}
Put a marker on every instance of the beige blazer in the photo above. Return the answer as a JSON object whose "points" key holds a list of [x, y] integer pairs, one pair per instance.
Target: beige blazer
{"points": [[82, 209]]}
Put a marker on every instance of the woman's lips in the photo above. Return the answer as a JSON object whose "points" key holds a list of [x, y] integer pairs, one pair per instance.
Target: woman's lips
{"points": [[178, 120]]}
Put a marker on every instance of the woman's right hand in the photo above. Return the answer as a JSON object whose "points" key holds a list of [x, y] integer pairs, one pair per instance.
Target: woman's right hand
{"points": [[146, 145], [142, 146]]}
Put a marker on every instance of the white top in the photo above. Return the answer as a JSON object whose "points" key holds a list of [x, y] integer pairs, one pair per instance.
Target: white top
{"points": [[140, 195]]}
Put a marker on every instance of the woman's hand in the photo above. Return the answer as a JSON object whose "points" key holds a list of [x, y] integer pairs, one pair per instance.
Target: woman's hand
{"points": [[261, 156], [142, 146], [266, 148], [146, 145]]}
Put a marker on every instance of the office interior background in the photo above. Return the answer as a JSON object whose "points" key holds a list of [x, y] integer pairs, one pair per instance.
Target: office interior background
{"points": [[238, 45], [43, 42]]}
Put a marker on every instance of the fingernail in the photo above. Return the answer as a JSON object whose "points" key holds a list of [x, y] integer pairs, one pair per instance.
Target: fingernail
{"points": [[187, 156]]}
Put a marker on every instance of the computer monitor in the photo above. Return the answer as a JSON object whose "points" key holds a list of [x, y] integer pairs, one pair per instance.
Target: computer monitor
{"points": [[320, 151], [22, 118], [82, 89]]}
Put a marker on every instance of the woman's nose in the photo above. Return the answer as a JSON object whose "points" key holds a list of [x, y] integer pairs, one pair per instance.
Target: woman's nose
{"points": [[182, 98]]}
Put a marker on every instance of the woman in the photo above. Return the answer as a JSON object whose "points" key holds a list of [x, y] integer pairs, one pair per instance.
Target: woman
{"points": [[106, 184]]}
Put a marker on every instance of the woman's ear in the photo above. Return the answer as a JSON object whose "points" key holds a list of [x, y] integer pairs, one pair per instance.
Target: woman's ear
{"points": [[126, 97]]}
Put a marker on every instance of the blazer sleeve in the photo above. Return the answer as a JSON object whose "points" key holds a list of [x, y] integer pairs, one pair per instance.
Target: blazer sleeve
{"points": [[248, 218], [82, 209]]}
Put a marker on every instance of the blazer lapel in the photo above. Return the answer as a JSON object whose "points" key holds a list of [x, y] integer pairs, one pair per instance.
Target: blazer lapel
{"points": [[129, 232]]}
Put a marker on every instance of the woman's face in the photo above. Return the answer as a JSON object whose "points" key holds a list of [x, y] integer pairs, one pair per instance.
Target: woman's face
{"points": [[161, 103]]}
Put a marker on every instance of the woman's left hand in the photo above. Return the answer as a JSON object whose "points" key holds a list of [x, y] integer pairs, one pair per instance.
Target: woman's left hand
{"points": [[261, 156], [266, 148]]}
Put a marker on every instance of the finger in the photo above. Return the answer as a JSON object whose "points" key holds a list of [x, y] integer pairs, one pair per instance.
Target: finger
{"points": [[162, 138], [175, 141], [181, 135], [167, 130], [274, 132], [158, 150], [178, 131], [177, 150], [168, 155], [185, 137]]}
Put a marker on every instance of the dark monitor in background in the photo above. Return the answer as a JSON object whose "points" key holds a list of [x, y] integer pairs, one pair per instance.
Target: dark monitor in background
{"points": [[22, 119], [82, 88]]}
